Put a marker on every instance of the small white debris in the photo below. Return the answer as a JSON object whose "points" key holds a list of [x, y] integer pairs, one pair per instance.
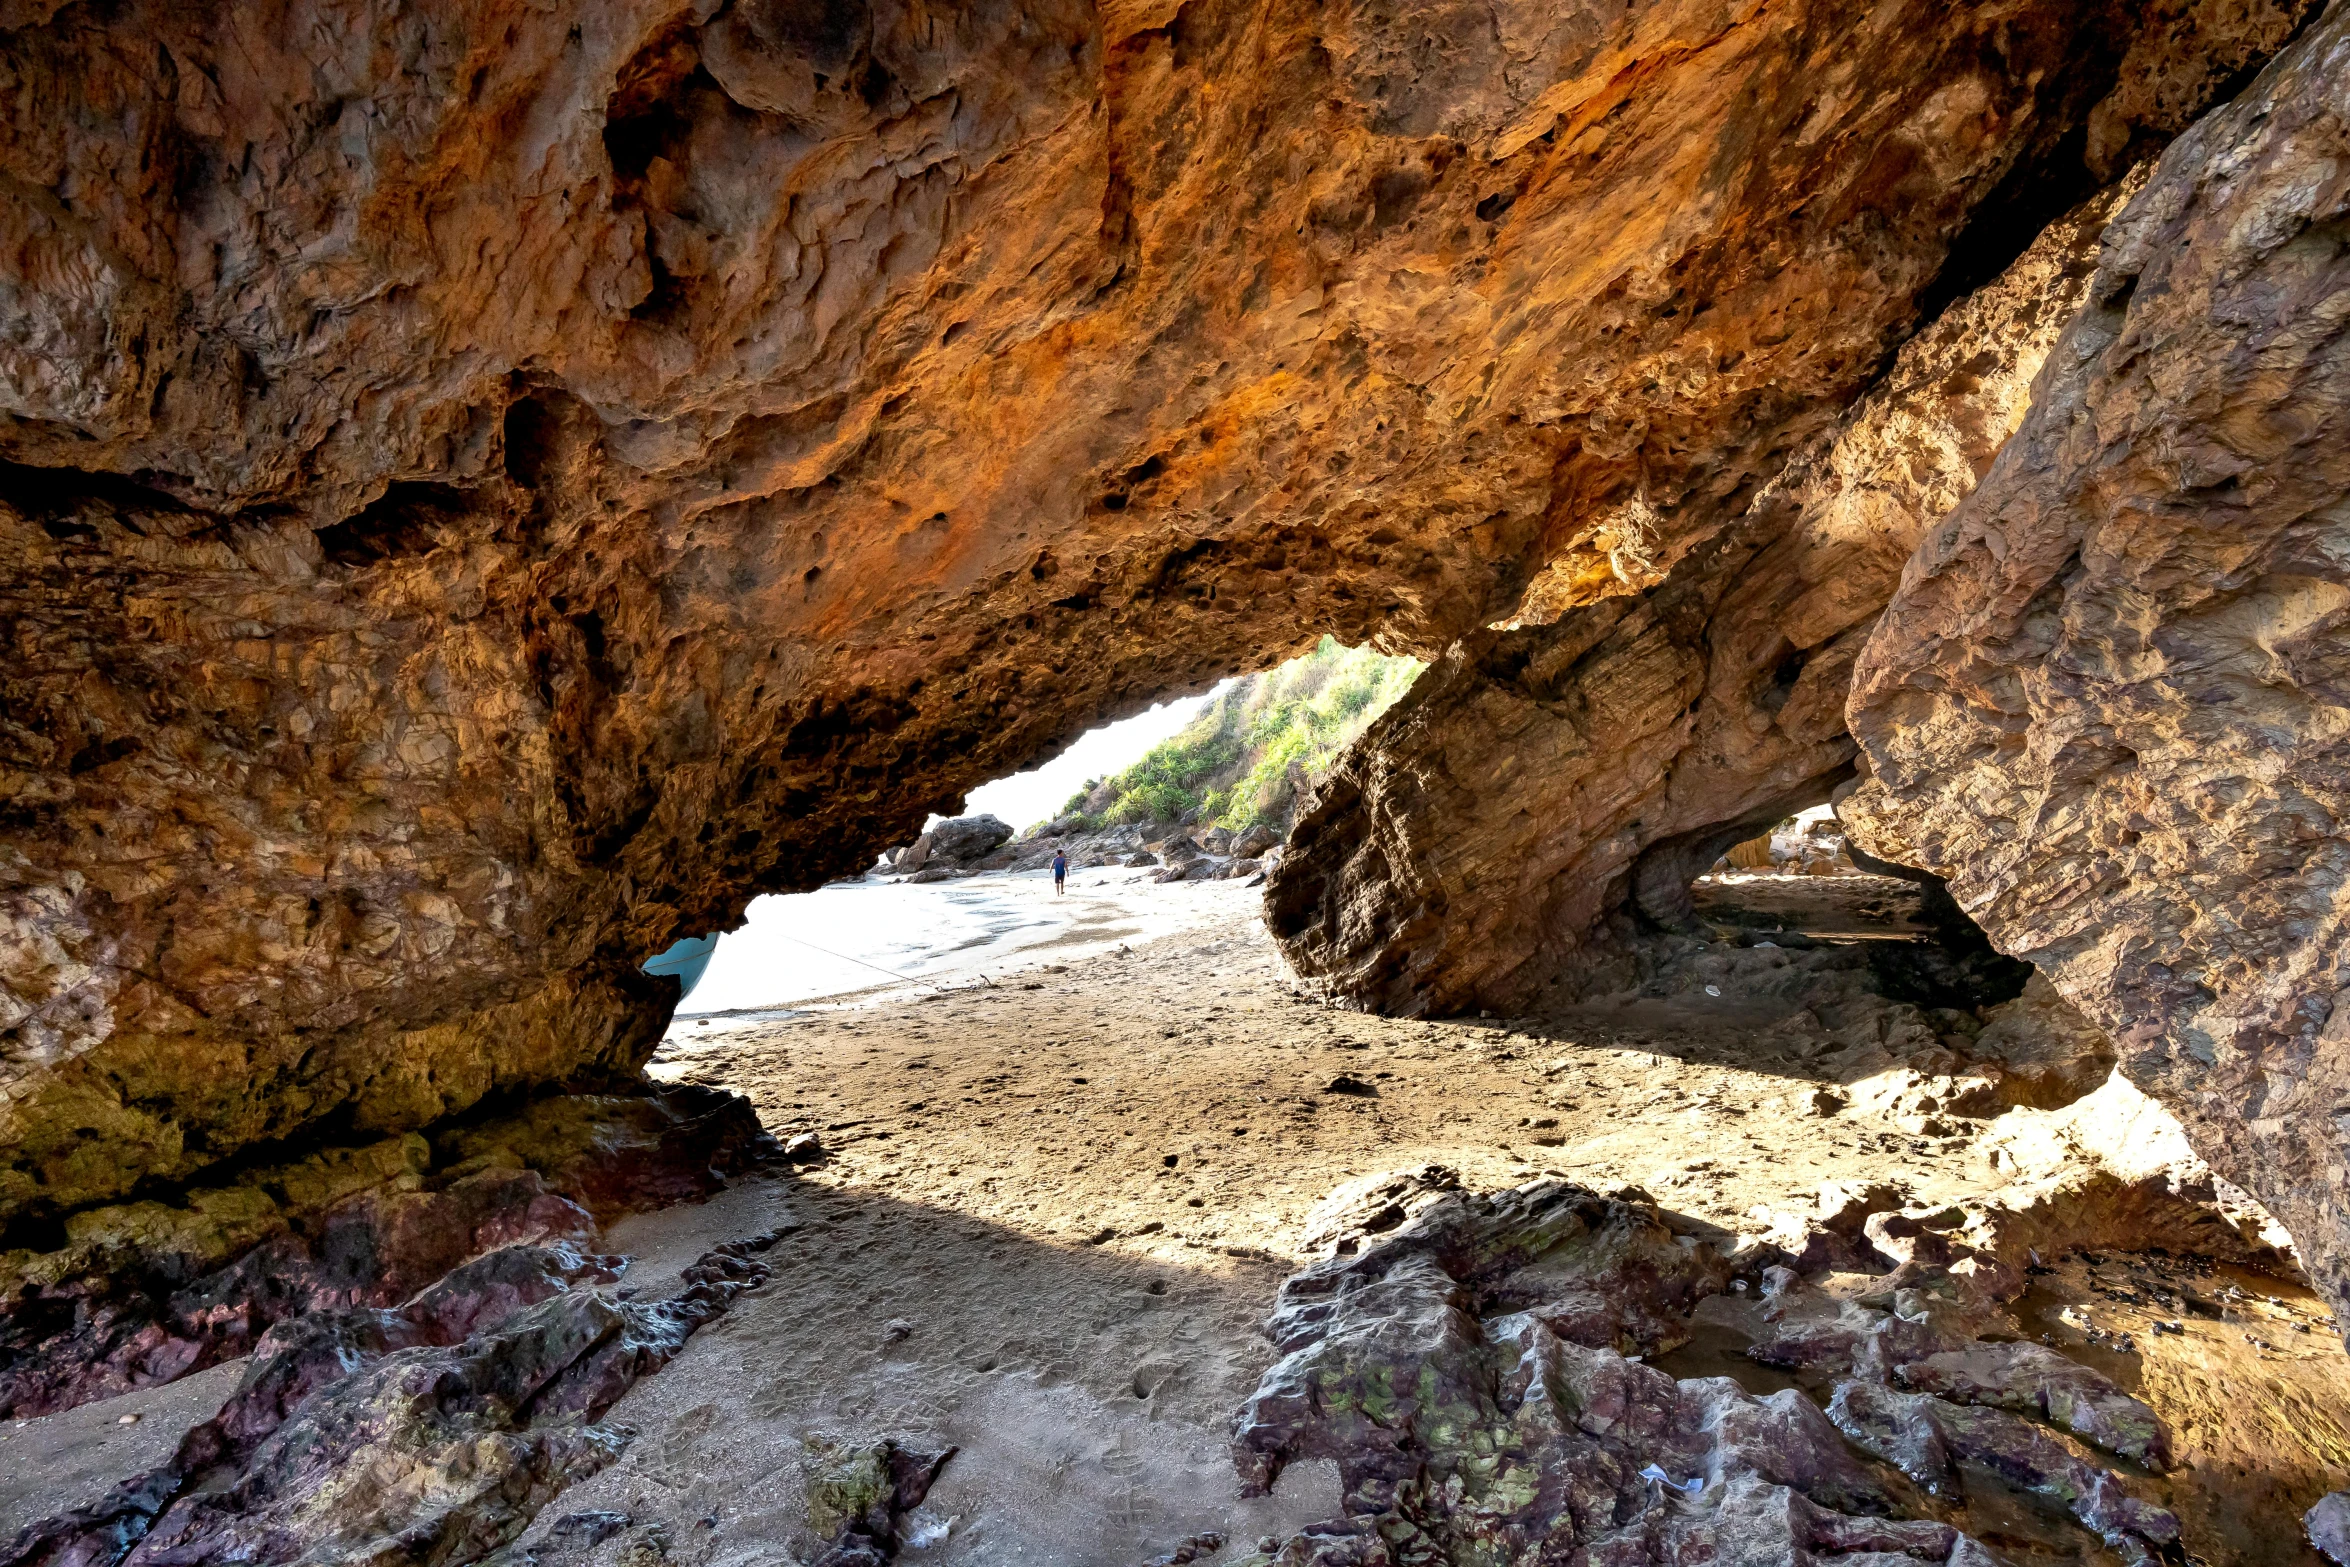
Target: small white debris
{"points": [[1693, 1485], [922, 1529]]}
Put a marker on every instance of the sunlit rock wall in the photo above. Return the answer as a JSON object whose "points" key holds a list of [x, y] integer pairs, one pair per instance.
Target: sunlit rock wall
{"points": [[2112, 699], [1548, 790]]}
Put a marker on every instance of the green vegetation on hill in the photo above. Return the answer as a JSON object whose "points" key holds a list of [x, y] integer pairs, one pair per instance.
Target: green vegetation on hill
{"points": [[1257, 746]]}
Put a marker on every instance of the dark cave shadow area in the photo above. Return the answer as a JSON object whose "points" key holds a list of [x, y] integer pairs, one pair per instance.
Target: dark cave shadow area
{"points": [[1833, 979]]}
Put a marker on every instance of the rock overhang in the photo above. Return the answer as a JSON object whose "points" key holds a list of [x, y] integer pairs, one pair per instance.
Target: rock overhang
{"points": [[493, 494]]}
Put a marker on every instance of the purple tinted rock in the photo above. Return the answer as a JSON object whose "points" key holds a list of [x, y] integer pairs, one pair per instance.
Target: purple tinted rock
{"points": [[2031, 1379], [446, 1423], [1927, 1436], [2328, 1526]]}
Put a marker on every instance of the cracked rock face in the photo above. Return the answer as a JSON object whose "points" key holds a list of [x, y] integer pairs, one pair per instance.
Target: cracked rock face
{"points": [[2106, 701], [1545, 781], [490, 490], [1478, 1377]]}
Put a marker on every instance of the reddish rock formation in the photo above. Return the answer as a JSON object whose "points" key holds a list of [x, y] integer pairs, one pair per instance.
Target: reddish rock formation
{"points": [[433, 1432], [496, 488], [141, 1293], [2107, 700], [1543, 780]]}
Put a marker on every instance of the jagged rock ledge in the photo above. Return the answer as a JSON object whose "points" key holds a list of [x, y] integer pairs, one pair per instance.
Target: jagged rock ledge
{"points": [[1480, 1375], [140, 1293]]}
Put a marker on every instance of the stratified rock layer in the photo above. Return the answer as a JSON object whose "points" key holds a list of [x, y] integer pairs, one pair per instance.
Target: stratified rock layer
{"points": [[1543, 780], [2108, 701]]}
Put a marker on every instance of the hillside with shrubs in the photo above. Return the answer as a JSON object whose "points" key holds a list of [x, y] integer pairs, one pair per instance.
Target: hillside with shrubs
{"points": [[1255, 750]]}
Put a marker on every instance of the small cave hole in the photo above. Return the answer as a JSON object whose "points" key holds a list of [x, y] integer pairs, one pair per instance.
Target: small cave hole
{"points": [[1799, 884], [407, 519]]}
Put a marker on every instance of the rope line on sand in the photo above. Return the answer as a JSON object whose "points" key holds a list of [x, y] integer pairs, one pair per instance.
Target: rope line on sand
{"points": [[877, 968], [845, 958]]}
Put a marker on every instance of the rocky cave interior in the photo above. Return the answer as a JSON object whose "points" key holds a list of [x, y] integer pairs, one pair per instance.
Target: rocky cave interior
{"points": [[487, 491]]}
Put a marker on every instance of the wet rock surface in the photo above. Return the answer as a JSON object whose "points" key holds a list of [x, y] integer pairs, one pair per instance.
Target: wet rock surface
{"points": [[144, 1293], [429, 1432], [2034, 1380], [2103, 701]]}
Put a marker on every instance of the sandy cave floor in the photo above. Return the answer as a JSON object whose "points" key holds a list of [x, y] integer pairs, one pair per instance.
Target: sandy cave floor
{"points": [[1053, 1212], [1074, 1194]]}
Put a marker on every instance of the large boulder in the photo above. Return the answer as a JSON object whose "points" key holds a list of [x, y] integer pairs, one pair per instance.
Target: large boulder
{"points": [[965, 838], [1480, 1376], [1255, 841], [143, 1292]]}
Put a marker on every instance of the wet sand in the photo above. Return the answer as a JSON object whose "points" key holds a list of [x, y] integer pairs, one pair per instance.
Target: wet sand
{"points": [[877, 940]]}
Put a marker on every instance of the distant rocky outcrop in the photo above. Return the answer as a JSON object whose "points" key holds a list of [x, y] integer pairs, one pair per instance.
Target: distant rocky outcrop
{"points": [[1174, 853], [949, 845], [966, 838]]}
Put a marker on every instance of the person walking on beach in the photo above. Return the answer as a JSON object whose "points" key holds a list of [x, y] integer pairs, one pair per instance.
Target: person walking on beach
{"points": [[1060, 870]]}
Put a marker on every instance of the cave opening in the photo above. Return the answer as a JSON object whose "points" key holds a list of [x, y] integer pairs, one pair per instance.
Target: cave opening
{"points": [[1195, 788], [607, 462], [1799, 884]]}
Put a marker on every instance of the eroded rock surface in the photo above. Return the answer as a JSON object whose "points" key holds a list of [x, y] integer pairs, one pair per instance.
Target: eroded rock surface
{"points": [[2106, 701], [861, 1498], [1546, 789], [432, 1432], [494, 489], [1478, 1378], [145, 1292]]}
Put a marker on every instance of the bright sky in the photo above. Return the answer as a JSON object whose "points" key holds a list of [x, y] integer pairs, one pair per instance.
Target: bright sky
{"points": [[1024, 799]]}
